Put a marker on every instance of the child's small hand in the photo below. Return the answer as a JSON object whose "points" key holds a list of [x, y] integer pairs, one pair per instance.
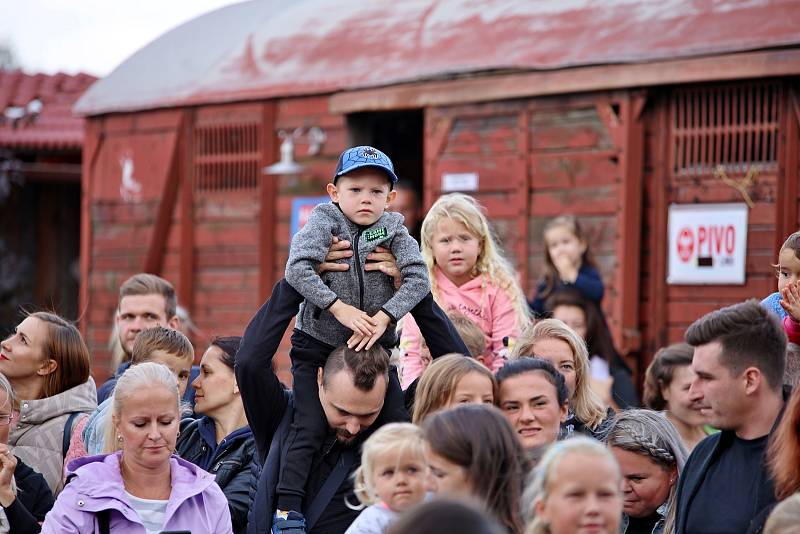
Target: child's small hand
{"points": [[353, 318], [790, 300], [355, 339], [381, 321], [567, 270], [425, 357]]}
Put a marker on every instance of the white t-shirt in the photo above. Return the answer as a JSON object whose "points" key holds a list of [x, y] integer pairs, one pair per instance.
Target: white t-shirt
{"points": [[5, 528], [151, 512]]}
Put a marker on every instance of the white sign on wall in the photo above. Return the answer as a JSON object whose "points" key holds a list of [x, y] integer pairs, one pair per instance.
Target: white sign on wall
{"points": [[707, 243], [459, 181]]}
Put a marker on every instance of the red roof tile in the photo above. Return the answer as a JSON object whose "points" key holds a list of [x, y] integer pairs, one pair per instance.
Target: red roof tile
{"points": [[56, 127]]}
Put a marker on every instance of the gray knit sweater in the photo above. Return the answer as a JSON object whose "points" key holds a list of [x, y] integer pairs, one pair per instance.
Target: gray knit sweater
{"points": [[369, 291]]}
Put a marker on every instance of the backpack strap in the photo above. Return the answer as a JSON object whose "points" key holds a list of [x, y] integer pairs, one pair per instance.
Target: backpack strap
{"points": [[104, 521], [328, 489], [68, 433]]}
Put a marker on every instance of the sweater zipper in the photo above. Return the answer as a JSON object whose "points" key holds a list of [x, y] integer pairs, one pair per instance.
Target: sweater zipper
{"points": [[358, 272]]}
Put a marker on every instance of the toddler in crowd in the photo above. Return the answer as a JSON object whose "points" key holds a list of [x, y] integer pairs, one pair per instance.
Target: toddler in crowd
{"points": [[468, 274], [785, 302], [353, 307], [568, 263], [391, 478]]}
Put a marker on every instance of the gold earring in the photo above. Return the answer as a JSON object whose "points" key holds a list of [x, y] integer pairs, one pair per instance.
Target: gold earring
{"points": [[119, 439]]}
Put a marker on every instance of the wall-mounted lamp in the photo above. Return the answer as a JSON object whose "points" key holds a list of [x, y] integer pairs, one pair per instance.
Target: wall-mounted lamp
{"points": [[287, 165]]}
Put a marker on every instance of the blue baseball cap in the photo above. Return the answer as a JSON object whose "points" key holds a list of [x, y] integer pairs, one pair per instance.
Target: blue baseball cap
{"points": [[364, 156]]}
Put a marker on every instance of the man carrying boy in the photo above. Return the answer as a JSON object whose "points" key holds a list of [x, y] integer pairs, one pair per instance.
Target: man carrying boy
{"points": [[355, 307]]}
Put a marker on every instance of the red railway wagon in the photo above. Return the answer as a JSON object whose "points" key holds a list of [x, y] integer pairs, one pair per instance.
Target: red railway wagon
{"points": [[609, 110]]}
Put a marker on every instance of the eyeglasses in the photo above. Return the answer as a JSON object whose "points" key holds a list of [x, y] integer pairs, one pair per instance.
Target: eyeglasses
{"points": [[5, 420]]}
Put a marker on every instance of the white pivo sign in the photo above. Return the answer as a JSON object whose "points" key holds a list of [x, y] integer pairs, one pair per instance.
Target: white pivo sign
{"points": [[707, 243]]}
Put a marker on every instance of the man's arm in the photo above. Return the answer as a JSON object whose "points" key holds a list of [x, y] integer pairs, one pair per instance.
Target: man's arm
{"points": [[415, 284], [263, 396], [437, 330]]}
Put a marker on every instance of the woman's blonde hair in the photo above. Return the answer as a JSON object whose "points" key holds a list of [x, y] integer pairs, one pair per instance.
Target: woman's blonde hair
{"points": [[585, 403], [539, 486], [394, 439], [491, 262], [439, 382], [136, 377]]}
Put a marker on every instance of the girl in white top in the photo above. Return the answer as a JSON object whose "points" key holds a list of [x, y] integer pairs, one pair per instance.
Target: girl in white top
{"points": [[391, 478]]}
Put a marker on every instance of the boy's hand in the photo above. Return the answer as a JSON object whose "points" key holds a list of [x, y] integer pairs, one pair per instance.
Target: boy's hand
{"points": [[790, 300], [381, 321], [353, 318], [567, 270]]}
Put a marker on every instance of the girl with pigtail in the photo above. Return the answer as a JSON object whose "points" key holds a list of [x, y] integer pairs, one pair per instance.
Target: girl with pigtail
{"points": [[391, 477]]}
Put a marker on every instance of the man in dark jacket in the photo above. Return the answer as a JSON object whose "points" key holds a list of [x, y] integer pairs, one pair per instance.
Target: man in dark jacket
{"points": [[738, 361], [351, 410]]}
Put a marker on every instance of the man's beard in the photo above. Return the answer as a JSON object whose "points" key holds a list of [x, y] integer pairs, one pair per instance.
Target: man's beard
{"points": [[344, 437]]}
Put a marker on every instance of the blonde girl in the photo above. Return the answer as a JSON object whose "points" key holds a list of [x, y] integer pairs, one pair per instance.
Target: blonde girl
{"points": [[450, 381], [552, 340], [391, 478], [468, 274], [577, 484], [568, 263]]}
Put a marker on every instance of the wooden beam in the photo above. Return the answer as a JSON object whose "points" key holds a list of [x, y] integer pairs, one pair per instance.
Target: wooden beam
{"points": [[154, 260], [186, 261], [93, 142], [631, 166], [39, 171], [786, 205], [572, 80], [659, 205], [268, 214], [523, 221]]}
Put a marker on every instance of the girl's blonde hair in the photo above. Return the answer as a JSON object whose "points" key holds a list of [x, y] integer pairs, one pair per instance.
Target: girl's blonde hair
{"points": [[542, 476], [439, 382], [393, 439], [136, 377], [491, 263], [585, 403], [550, 272]]}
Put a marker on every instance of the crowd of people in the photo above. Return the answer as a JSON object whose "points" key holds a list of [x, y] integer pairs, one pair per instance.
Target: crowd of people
{"points": [[428, 395]]}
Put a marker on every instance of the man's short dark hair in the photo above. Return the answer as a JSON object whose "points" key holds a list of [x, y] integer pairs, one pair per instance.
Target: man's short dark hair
{"points": [[364, 366], [750, 337]]}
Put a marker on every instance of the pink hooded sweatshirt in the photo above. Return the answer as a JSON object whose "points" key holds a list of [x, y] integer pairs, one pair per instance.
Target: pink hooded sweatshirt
{"points": [[481, 301]]}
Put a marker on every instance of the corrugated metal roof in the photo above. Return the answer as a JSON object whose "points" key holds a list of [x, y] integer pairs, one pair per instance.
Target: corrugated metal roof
{"points": [[48, 124], [262, 49]]}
